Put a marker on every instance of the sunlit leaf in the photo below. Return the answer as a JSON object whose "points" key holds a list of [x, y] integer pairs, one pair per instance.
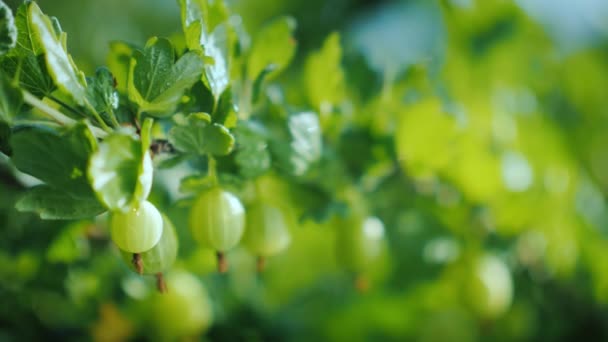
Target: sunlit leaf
{"points": [[273, 46], [201, 137]]}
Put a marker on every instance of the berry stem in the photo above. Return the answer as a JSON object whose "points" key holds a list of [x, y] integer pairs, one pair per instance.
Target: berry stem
{"points": [[138, 263], [222, 262], [261, 264], [161, 285]]}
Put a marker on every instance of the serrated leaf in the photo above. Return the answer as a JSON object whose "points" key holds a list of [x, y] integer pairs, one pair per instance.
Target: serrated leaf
{"points": [[101, 93], [201, 137], [330, 88], [11, 99], [27, 43], [121, 171], [33, 74], [274, 46], [8, 31], [252, 155], [305, 144], [59, 63], [156, 82], [53, 204], [58, 158]]}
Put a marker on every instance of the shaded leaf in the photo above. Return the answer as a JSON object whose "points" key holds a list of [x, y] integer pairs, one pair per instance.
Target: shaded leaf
{"points": [[58, 158], [52, 204], [11, 99], [252, 155], [305, 144], [8, 31], [101, 93]]}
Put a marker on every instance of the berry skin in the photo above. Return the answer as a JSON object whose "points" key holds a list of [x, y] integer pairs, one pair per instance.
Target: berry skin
{"points": [[137, 230]]}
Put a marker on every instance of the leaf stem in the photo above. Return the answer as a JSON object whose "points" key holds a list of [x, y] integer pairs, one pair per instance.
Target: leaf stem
{"points": [[98, 118], [212, 169], [56, 115], [66, 106]]}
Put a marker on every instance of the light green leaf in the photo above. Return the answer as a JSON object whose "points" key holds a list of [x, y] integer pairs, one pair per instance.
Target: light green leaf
{"points": [[118, 61], [70, 245], [156, 82], [59, 159], [324, 77], [202, 137], [11, 99], [252, 155], [305, 144], [206, 29], [53, 204], [8, 31], [273, 46], [121, 171], [27, 43], [59, 64]]}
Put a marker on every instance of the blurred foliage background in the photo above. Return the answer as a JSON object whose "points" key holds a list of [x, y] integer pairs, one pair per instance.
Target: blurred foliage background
{"points": [[478, 131]]}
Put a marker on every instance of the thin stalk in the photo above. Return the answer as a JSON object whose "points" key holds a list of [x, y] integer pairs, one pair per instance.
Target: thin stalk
{"points": [[56, 115], [66, 106], [97, 116]]}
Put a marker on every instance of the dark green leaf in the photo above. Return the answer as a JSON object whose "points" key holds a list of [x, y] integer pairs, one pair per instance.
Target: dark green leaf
{"points": [[121, 171], [11, 99], [101, 93], [5, 135], [273, 46], [156, 81], [33, 75], [201, 137], [52, 204], [59, 63], [8, 32], [59, 159]]}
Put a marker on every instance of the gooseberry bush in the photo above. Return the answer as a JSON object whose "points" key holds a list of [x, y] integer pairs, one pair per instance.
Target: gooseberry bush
{"points": [[245, 181], [202, 99]]}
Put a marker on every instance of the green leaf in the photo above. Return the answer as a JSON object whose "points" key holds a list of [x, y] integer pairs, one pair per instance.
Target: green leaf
{"points": [[58, 158], [101, 93], [201, 137], [70, 245], [8, 31], [11, 99], [27, 43], [118, 61], [33, 74], [252, 155], [59, 63], [305, 144], [324, 77], [205, 27], [52, 204], [217, 74], [273, 46], [121, 171], [27, 58], [196, 184], [156, 81]]}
